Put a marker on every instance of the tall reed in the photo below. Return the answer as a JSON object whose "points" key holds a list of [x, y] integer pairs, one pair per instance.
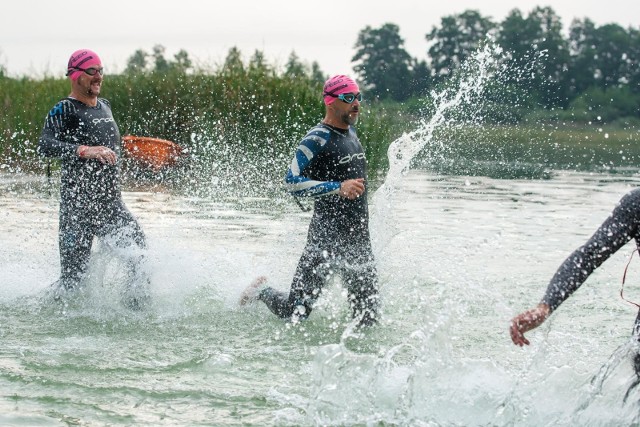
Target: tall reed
{"points": [[242, 119]]}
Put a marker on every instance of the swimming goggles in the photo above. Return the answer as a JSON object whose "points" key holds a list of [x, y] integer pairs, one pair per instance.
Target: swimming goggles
{"points": [[346, 97], [89, 71]]}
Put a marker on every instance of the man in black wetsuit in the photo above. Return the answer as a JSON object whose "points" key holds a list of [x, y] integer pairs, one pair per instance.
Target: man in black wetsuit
{"points": [[621, 226], [81, 131], [330, 166]]}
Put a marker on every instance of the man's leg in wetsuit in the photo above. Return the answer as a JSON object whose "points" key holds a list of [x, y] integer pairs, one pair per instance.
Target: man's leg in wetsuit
{"points": [[310, 277], [123, 229], [361, 280], [124, 236], [74, 242]]}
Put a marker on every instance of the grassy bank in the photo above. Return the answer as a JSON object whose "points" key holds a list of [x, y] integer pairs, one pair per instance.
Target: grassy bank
{"points": [[219, 117], [532, 150], [240, 128]]}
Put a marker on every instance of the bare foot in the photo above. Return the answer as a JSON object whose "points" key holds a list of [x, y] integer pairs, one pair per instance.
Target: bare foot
{"points": [[250, 294]]}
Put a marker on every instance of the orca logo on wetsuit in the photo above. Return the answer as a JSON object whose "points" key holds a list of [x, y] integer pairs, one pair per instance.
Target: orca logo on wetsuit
{"points": [[348, 158], [102, 120]]}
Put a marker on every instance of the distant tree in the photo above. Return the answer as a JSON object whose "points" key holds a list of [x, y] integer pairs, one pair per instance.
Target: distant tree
{"points": [[137, 63], [606, 57], [517, 35], [382, 63], [3, 68], [613, 48], [316, 73], [536, 43], [455, 40], [606, 105], [182, 62], [420, 78], [160, 63], [582, 49], [556, 49], [633, 60], [294, 67], [258, 63], [233, 63]]}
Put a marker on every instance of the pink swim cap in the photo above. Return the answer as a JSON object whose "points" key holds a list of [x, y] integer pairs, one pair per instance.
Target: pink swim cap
{"points": [[337, 85], [83, 58]]}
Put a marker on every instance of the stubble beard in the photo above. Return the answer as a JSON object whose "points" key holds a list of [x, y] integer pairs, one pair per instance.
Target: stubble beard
{"points": [[93, 93], [350, 120]]}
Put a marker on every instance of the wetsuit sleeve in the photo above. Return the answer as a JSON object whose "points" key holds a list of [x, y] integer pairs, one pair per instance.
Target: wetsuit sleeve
{"points": [[56, 140], [620, 227], [295, 180]]}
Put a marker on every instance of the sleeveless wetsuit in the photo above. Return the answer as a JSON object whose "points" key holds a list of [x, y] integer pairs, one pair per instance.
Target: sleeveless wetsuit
{"points": [[338, 238], [90, 198]]}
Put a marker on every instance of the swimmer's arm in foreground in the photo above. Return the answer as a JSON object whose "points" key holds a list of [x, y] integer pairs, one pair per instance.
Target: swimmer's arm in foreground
{"points": [[619, 228]]}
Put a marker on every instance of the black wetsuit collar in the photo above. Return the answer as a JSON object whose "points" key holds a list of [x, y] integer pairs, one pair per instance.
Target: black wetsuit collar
{"points": [[335, 129], [97, 106]]}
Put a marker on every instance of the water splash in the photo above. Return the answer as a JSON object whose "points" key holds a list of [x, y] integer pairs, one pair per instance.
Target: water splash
{"points": [[417, 382], [420, 380], [615, 383], [462, 93]]}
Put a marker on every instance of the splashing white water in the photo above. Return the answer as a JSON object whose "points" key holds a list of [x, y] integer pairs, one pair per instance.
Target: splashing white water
{"points": [[421, 380], [475, 74]]}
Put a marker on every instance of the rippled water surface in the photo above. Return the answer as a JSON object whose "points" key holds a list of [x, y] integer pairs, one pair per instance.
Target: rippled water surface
{"points": [[457, 258]]}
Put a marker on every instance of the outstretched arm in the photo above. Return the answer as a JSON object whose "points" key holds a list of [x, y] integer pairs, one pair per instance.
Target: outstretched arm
{"points": [[621, 226]]}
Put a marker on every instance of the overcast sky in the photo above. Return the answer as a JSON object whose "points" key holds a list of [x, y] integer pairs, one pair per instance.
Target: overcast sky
{"points": [[37, 36]]}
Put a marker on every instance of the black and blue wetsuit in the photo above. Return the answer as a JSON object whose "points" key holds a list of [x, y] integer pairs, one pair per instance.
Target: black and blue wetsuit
{"points": [[338, 238], [90, 198], [619, 228]]}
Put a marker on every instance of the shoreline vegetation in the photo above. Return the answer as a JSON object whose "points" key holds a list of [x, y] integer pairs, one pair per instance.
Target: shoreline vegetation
{"points": [[245, 127], [231, 116], [553, 102]]}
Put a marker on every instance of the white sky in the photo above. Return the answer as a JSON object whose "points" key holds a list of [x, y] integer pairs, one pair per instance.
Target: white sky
{"points": [[37, 36]]}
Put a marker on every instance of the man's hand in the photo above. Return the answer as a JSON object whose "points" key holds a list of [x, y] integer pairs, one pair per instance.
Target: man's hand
{"points": [[527, 321], [102, 154], [352, 188]]}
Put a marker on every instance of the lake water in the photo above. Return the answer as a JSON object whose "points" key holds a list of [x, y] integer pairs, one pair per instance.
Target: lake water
{"points": [[458, 256]]}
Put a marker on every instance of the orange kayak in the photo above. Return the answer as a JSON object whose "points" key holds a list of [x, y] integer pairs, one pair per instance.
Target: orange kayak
{"points": [[154, 152]]}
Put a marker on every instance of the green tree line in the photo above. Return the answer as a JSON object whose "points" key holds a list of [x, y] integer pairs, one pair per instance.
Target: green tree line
{"points": [[252, 106], [594, 67]]}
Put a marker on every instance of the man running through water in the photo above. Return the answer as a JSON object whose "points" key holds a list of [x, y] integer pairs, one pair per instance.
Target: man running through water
{"points": [[620, 227], [81, 131], [330, 166]]}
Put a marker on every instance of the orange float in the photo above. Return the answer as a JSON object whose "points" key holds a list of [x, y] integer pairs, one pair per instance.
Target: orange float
{"points": [[154, 152]]}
